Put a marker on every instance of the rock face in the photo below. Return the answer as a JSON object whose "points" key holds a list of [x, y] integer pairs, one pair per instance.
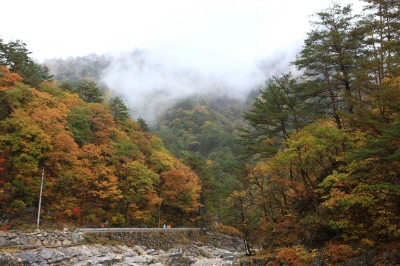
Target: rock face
{"points": [[121, 255]]}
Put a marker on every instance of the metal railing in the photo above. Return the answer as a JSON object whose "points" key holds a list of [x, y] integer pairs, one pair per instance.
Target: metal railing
{"points": [[111, 229]]}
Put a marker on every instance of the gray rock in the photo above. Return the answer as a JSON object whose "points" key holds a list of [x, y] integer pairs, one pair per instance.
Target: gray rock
{"points": [[204, 252], [27, 256], [88, 252], [14, 241], [107, 261], [57, 257], [69, 252], [150, 250], [10, 260], [75, 236], [140, 259], [226, 254], [24, 240], [175, 259], [231, 258], [46, 253], [3, 241], [118, 258], [140, 250]]}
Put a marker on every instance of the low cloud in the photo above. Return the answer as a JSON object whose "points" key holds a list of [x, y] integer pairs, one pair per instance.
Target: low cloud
{"points": [[150, 80]]}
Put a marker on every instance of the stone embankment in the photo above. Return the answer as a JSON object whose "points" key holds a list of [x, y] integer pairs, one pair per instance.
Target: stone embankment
{"points": [[40, 238], [72, 248]]}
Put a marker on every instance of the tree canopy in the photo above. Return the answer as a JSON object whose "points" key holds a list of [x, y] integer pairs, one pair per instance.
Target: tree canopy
{"points": [[15, 56], [326, 142], [98, 166]]}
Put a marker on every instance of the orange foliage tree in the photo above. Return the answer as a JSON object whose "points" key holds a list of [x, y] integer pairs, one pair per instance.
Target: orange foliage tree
{"points": [[8, 79], [180, 190]]}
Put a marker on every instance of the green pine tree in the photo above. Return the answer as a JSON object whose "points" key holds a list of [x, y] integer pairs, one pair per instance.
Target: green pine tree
{"points": [[328, 59], [143, 125], [90, 92], [276, 112], [119, 110]]}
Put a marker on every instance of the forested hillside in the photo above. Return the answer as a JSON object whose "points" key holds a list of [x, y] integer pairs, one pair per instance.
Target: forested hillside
{"points": [[327, 142], [202, 131], [98, 165]]}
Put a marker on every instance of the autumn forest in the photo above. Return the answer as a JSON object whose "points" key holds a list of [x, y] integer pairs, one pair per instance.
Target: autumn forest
{"points": [[309, 163]]}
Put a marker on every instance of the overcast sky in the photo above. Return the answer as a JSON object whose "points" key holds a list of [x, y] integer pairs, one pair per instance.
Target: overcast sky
{"points": [[239, 30], [190, 46]]}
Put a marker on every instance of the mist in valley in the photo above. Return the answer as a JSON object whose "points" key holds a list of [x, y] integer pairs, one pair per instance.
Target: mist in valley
{"points": [[151, 80]]}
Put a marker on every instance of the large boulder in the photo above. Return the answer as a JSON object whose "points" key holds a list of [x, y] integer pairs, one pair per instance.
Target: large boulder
{"points": [[10, 260]]}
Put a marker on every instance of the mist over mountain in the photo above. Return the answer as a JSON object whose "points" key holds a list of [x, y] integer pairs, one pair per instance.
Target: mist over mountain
{"points": [[150, 80]]}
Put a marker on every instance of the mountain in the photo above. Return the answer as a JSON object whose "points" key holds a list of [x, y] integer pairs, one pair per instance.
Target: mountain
{"points": [[96, 168]]}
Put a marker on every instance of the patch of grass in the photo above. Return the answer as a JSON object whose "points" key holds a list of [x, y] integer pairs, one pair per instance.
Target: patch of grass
{"points": [[183, 240], [215, 244], [9, 250], [89, 238]]}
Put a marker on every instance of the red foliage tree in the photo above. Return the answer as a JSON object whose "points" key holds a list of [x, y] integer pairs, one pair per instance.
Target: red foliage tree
{"points": [[2, 160]]}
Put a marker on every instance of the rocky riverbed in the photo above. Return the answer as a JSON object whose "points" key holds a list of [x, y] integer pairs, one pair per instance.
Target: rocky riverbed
{"points": [[157, 248], [196, 254]]}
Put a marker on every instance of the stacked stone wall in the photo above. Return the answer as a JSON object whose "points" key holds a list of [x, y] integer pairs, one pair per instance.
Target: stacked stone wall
{"points": [[155, 239], [40, 238]]}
